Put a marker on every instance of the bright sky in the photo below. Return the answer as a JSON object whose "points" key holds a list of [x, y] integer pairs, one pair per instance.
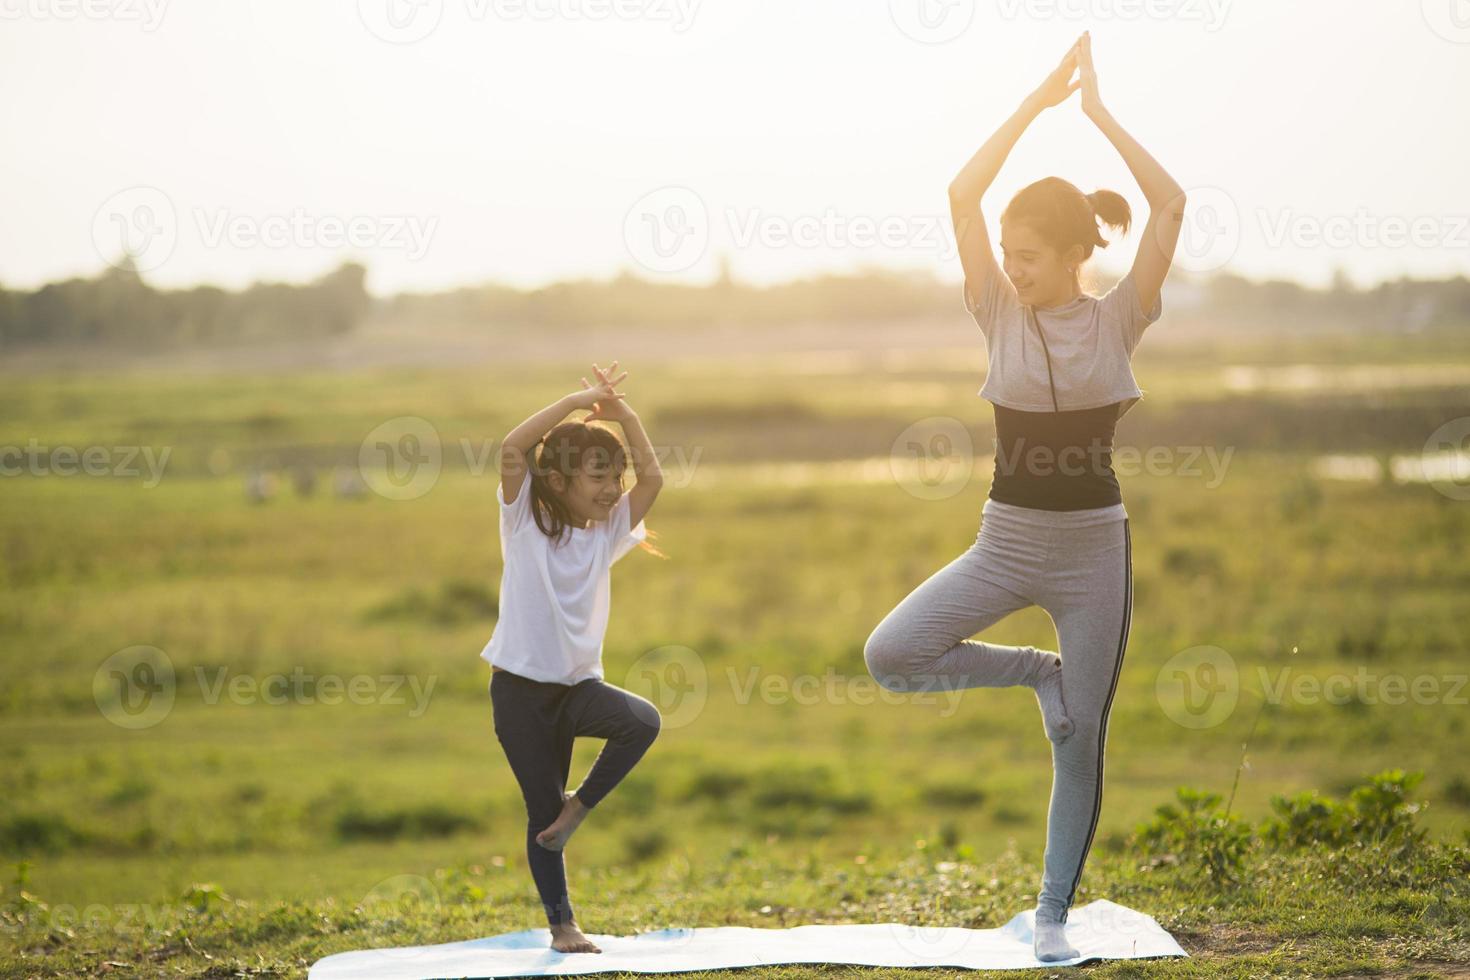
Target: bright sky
{"points": [[448, 142]]}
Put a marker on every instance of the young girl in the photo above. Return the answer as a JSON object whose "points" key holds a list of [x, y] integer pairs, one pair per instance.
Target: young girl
{"points": [[564, 520], [1054, 531]]}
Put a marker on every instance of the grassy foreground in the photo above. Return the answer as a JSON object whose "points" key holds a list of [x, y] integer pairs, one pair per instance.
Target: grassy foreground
{"points": [[264, 818]]}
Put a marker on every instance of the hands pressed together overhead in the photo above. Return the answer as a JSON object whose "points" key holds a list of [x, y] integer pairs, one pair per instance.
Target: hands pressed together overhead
{"points": [[1059, 83]]}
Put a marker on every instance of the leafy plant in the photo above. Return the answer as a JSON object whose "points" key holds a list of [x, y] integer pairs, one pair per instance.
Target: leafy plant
{"points": [[1197, 832], [1377, 811]]}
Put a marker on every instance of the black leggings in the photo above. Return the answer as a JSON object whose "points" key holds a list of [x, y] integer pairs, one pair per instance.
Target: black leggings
{"points": [[536, 722]]}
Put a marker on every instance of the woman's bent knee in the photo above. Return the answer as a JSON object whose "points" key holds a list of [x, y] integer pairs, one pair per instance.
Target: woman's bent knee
{"points": [[885, 661]]}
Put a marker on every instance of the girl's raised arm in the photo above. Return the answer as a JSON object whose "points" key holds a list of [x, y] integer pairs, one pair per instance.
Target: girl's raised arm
{"points": [[515, 449], [645, 459], [975, 179], [1165, 197]]}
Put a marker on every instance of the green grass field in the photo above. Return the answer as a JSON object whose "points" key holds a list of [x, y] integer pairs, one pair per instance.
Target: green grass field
{"points": [[323, 751]]}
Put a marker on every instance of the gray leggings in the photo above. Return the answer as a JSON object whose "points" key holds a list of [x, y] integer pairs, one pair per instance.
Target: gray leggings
{"points": [[1076, 565]]}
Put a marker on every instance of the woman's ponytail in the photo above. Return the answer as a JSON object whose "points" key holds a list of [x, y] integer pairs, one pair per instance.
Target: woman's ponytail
{"points": [[1112, 209]]}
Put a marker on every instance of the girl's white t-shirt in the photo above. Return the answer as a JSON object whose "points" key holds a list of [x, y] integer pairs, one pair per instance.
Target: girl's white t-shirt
{"points": [[555, 594]]}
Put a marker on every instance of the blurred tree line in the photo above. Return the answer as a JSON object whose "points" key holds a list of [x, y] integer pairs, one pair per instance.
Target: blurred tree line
{"points": [[876, 294], [118, 307], [1401, 305], [1222, 300]]}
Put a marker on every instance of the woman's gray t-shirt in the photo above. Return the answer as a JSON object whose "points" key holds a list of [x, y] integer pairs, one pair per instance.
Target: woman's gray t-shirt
{"points": [[1091, 341]]}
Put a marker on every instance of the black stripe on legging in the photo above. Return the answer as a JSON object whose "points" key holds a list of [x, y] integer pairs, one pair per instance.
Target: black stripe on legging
{"points": [[1102, 735]]}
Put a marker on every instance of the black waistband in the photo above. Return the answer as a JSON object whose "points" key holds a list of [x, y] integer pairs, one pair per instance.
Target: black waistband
{"points": [[1055, 460]]}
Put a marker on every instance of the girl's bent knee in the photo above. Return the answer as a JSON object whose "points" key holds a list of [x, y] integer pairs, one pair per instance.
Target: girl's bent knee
{"points": [[652, 725], [644, 720]]}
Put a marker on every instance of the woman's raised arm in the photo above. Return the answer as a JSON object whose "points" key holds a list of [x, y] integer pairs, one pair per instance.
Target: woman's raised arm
{"points": [[1165, 197], [975, 179]]}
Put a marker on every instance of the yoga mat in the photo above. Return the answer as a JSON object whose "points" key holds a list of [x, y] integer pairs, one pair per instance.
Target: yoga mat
{"points": [[1100, 930]]}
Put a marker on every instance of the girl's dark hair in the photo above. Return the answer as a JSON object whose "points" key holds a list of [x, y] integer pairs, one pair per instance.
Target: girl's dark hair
{"points": [[1064, 216], [568, 449]]}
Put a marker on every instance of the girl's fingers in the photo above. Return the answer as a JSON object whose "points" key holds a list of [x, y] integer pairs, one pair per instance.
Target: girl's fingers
{"points": [[619, 380]]}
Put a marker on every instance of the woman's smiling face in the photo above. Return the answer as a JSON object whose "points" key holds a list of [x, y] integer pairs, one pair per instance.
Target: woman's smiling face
{"points": [[1042, 276]]}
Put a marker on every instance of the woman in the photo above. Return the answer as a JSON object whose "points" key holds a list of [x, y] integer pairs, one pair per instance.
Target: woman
{"points": [[1054, 531]]}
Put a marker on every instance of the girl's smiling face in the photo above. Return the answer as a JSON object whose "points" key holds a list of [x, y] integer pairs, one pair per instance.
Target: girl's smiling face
{"points": [[1042, 276], [592, 491]]}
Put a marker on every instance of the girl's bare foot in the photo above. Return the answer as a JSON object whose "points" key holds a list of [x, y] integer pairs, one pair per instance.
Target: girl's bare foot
{"points": [[555, 837], [568, 938]]}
